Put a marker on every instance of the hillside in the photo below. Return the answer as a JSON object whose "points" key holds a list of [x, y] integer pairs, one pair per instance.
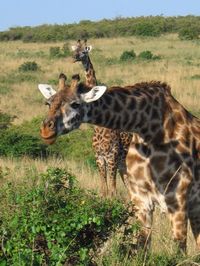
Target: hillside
{"points": [[188, 27]]}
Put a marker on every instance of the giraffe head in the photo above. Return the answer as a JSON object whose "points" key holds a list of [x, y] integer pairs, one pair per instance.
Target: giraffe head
{"points": [[81, 52], [67, 107]]}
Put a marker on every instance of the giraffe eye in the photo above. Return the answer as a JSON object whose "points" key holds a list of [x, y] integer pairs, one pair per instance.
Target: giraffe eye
{"points": [[75, 105]]}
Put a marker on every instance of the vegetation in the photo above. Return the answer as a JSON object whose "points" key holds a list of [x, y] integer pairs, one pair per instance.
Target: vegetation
{"points": [[26, 193], [29, 66], [131, 55], [148, 55], [24, 140], [56, 51], [5, 120], [138, 26], [189, 33], [128, 55], [54, 222]]}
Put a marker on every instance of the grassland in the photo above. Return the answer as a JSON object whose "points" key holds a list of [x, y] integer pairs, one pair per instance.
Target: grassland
{"points": [[179, 66]]}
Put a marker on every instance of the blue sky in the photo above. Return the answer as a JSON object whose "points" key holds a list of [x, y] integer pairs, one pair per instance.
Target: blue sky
{"points": [[36, 12]]}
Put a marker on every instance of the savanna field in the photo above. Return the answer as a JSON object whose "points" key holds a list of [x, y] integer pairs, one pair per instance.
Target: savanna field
{"points": [[34, 201]]}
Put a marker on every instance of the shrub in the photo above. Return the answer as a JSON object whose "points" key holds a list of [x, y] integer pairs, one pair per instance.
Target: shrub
{"points": [[188, 34], [16, 144], [22, 140], [29, 66], [128, 55], [147, 29], [147, 55], [55, 222]]}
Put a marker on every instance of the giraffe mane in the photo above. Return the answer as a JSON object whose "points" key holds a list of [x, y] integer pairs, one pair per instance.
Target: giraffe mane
{"points": [[143, 85]]}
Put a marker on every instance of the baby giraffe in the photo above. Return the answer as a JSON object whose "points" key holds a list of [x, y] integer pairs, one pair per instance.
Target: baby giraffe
{"points": [[110, 146], [164, 168]]}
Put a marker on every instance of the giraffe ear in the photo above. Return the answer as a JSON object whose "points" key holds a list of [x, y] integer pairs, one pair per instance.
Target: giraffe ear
{"points": [[94, 94], [74, 47], [46, 90]]}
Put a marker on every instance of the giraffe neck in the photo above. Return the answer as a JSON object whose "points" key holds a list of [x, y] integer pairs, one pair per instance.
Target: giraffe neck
{"points": [[89, 73], [138, 113]]}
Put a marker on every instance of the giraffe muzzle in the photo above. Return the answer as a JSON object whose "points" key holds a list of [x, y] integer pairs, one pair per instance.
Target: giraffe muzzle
{"points": [[48, 132]]}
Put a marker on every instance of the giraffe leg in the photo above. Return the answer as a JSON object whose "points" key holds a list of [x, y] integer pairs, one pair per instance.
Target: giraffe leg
{"points": [[194, 214], [103, 175], [194, 203], [123, 172], [179, 228], [177, 208], [176, 198], [112, 172], [145, 218], [124, 176]]}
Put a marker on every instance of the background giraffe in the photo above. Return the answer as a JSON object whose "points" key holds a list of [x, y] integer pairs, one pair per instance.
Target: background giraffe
{"points": [[110, 146], [164, 168]]}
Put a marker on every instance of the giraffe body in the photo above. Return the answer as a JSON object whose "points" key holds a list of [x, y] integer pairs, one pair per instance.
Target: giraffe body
{"points": [[110, 146], [163, 161]]}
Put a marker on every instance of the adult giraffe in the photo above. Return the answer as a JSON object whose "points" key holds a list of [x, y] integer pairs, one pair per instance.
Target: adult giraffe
{"points": [[164, 168], [110, 146]]}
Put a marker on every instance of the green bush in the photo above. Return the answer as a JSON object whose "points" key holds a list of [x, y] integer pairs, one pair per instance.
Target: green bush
{"points": [[147, 55], [188, 33], [29, 66], [55, 222], [128, 55], [22, 140], [15, 144], [147, 29]]}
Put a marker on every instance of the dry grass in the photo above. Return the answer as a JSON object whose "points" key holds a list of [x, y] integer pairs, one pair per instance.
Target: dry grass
{"points": [[179, 63]]}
